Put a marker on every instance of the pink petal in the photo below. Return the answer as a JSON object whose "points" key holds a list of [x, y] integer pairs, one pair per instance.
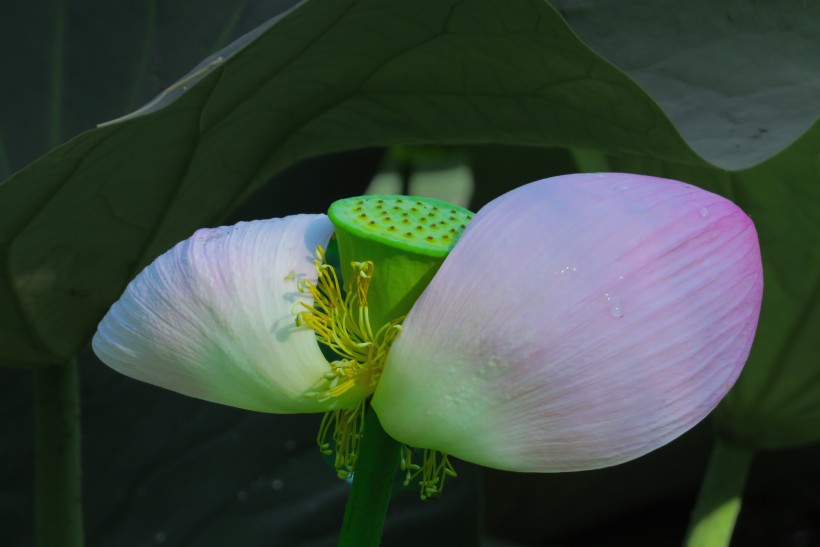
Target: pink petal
{"points": [[213, 317], [580, 322]]}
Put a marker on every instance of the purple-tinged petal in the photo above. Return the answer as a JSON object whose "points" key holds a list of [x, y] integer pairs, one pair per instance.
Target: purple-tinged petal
{"points": [[580, 321], [213, 317]]}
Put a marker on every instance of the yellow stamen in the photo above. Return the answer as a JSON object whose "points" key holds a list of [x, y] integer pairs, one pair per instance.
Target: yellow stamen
{"points": [[342, 323], [433, 472], [345, 427]]}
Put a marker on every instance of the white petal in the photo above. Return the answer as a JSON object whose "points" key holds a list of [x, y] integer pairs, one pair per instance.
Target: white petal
{"points": [[213, 317], [580, 322]]}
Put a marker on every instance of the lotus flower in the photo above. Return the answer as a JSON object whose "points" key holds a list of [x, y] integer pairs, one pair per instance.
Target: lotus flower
{"points": [[578, 322]]}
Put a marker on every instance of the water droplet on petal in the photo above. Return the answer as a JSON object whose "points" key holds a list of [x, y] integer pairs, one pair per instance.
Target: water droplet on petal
{"points": [[616, 308], [703, 212], [618, 269]]}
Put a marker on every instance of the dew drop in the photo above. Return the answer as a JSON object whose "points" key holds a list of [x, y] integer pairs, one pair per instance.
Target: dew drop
{"points": [[618, 269], [616, 308], [703, 212]]}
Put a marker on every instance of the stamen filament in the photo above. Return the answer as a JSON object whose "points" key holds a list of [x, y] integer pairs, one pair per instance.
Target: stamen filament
{"points": [[433, 472], [346, 425], [342, 323]]}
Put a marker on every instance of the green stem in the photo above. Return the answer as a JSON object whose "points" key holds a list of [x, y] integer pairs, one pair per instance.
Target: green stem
{"points": [[58, 504], [718, 505], [402, 268], [376, 470]]}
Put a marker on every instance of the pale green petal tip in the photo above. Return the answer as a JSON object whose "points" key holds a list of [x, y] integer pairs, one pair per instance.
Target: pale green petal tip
{"points": [[214, 318], [417, 224]]}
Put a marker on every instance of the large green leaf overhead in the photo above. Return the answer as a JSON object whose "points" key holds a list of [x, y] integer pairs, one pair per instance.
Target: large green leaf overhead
{"points": [[333, 74], [738, 79]]}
